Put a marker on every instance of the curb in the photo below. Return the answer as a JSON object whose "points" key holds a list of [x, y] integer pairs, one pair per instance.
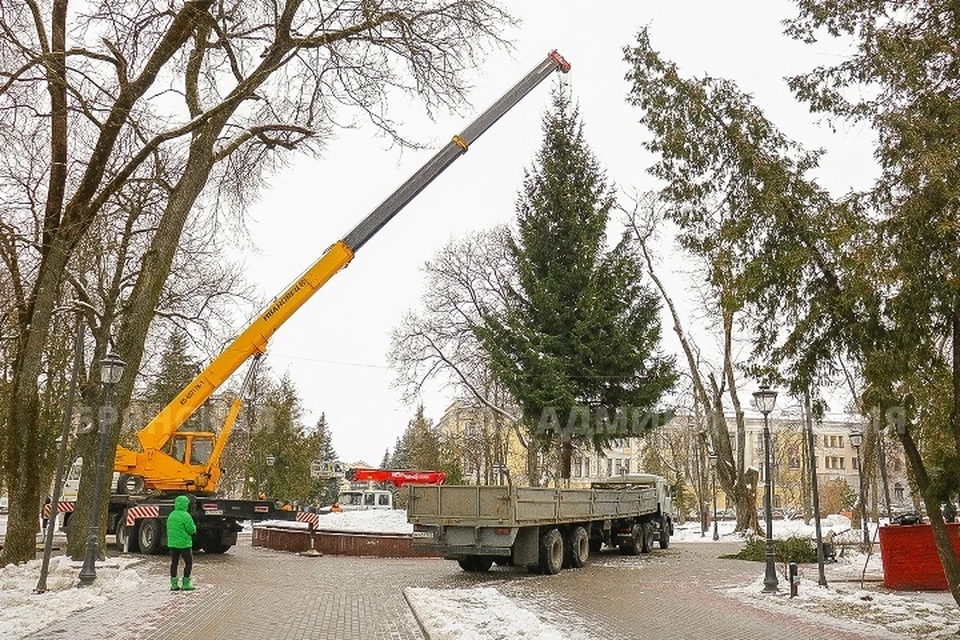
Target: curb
{"points": [[416, 616]]}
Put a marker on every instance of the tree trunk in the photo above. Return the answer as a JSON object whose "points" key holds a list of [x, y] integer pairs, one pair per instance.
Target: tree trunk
{"points": [[951, 565], [746, 503], [25, 437]]}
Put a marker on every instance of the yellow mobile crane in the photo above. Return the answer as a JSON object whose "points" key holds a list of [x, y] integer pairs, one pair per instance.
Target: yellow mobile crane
{"points": [[172, 461]]}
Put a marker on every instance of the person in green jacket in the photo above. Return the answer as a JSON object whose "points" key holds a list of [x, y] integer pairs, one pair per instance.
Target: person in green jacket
{"points": [[180, 531]]}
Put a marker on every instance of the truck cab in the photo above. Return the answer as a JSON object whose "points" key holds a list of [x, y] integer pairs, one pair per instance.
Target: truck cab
{"points": [[362, 499], [639, 480]]}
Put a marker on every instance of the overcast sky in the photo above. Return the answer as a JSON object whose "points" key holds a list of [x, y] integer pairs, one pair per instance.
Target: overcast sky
{"points": [[335, 347]]}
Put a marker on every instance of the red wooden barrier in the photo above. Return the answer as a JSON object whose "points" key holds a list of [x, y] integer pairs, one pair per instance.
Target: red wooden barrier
{"points": [[909, 556]]}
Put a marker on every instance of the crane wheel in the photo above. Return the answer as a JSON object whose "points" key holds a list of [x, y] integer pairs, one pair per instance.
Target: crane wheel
{"points": [[148, 535]]}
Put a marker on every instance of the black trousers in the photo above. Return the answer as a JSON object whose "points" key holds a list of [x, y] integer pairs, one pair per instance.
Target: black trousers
{"points": [[175, 555]]}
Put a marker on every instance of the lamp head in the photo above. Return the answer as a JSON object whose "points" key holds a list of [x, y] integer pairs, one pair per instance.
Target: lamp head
{"points": [[765, 399], [856, 437], [111, 369]]}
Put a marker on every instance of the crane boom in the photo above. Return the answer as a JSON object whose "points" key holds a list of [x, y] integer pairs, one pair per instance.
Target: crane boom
{"points": [[397, 477], [253, 340]]}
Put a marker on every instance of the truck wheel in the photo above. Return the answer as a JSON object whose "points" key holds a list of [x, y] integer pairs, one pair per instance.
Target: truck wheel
{"points": [[647, 536], [664, 533], [576, 548], [634, 544], [476, 563], [551, 552], [148, 535]]}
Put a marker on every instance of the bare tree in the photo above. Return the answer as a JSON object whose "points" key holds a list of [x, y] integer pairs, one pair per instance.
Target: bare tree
{"points": [[739, 482], [179, 97], [466, 279]]}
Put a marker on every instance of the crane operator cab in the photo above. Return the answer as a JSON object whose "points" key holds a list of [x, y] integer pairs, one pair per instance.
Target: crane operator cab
{"points": [[191, 448], [186, 467]]}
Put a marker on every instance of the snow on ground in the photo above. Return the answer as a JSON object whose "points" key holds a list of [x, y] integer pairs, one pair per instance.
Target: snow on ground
{"points": [[23, 612], [838, 524], [846, 606], [854, 598], [481, 613]]}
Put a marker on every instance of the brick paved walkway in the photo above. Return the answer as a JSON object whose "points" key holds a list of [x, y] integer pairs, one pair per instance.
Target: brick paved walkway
{"points": [[254, 593]]}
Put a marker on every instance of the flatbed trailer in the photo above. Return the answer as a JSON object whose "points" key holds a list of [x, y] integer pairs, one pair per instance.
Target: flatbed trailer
{"points": [[542, 529]]}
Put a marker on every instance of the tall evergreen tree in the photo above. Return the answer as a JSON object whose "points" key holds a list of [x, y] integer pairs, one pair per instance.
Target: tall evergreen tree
{"points": [[320, 444], [177, 369], [581, 335]]}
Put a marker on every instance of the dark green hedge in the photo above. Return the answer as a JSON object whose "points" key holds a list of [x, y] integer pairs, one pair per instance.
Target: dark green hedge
{"points": [[799, 550]]}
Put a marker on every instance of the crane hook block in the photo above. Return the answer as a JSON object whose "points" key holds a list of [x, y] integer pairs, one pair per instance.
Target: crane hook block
{"points": [[562, 64]]}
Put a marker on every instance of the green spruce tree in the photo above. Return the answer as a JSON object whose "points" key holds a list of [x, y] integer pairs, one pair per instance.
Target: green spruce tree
{"points": [[177, 370], [579, 345], [320, 444]]}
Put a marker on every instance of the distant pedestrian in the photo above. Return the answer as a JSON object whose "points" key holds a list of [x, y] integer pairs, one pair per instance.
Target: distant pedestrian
{"points": [[336, 508], [949, 512], [180, 531]]}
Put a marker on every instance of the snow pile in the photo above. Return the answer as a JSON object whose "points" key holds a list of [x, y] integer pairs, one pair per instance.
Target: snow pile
{"points": [[365, 521], [481, 613], [369, 521], [838, 524], [23, 612]]}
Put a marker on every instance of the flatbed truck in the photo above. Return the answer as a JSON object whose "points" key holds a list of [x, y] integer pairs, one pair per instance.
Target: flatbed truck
{"points": [[542, 529]]}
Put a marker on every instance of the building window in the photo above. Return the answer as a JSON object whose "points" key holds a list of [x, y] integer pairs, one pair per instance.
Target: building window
{"points": [[898, 491]]}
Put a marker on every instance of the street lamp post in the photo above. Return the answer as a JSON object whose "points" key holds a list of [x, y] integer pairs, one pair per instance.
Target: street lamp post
{"points": [[111, 370], [856, 439], [270, 460], [713, 472], [766, 400]]}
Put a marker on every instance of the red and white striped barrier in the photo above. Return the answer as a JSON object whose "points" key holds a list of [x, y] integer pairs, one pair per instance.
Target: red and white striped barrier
{"points": [[142, 511], [62, 507], [306, 516]]}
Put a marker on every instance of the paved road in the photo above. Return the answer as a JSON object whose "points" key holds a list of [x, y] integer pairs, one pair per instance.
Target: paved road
{"points": [[254, 593]]}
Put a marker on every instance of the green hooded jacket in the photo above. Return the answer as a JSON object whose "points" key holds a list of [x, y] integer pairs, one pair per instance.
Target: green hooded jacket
{"points": [[180, 525]]}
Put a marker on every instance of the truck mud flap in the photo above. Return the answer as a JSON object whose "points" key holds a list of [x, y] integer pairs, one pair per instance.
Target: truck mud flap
{"points": [[526, 548]]}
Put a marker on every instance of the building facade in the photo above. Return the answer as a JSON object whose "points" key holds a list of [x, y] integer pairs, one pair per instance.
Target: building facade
{"points": [[491, 453]]}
